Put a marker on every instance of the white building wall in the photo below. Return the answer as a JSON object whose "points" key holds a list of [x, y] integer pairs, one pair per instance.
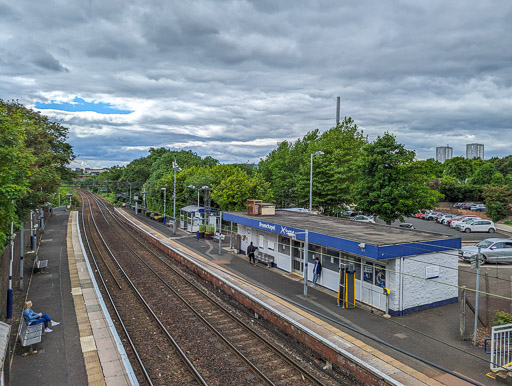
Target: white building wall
{"points": [[418, 290]]}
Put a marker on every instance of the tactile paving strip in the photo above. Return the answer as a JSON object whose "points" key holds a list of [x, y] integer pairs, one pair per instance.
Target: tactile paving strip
{"points": [[91, 358]]}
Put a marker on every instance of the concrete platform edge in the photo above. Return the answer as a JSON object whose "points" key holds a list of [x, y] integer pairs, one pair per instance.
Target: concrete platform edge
{"points": [[110, 324]]}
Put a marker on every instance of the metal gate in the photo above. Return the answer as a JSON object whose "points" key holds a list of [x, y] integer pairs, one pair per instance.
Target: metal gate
{"points": [[501, 346]]}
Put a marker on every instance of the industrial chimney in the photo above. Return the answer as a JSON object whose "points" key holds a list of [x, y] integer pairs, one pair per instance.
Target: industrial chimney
{"points": [[337, 111]]}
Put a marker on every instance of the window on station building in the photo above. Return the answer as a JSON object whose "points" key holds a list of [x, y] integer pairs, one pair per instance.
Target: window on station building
{"points": [[380, 275], [368, 272], [314, 251], [355, 260], [331, 259], [284, 245]]}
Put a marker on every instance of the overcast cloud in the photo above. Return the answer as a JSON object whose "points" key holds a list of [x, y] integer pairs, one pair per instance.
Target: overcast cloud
{"points": [[231, 79]]}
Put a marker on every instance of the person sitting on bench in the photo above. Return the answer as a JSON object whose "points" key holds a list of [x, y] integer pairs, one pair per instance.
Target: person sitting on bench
{"points": [[33, 318]]}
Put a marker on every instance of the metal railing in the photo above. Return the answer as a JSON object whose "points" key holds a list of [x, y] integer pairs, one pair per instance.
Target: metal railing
{"points": [[501, 347]]}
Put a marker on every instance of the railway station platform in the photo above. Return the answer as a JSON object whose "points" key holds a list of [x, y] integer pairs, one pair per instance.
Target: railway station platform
{"points": [[273, 287], [84, 348]]}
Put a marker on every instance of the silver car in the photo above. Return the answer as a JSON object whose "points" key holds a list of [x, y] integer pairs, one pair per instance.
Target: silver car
{"points": [[493, 251]]}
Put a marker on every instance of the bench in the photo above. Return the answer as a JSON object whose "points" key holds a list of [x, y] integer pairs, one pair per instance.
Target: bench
{"points": [[41, 264], [264, 258], [30, 335], [216, 236]]}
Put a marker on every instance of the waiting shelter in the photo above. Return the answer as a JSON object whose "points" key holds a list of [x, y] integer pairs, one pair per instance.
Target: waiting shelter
{"points": [[420, 269], [192, 216]]}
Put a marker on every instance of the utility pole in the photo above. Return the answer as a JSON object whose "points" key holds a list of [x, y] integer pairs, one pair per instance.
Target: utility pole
{"points": [[478, 262], [175, 166]]}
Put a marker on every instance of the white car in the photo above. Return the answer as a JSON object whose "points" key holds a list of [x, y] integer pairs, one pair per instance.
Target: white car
{"points": [[461, 224], [362, 218], [479, 226], [444, 219], [453, 224]]}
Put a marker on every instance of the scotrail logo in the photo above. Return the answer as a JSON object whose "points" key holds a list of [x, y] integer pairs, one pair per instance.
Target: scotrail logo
{"points": [[267, 226]]}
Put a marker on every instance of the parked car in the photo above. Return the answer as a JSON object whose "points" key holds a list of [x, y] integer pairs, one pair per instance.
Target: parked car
{"points": [[478, 208], [460, 218], [479, 225], [431, 215], [444, 219], [460, 224], [458, 205], [453, 224], [467, 205], [362, 218], [422, 213], [407, 225], [493, 250]]}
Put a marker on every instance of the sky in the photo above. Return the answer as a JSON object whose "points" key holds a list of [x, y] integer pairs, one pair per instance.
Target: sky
{"points": [[232, 79]]}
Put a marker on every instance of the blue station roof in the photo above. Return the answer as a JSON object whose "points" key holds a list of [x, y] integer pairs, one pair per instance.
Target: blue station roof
{"points": [[364, 239]]}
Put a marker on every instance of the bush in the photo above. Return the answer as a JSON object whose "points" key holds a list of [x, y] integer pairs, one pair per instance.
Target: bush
{"points": [[502, 318], [507, 222], [202, 228], [211, 229]]}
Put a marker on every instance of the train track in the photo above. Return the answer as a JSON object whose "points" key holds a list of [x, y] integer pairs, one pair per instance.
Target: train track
{"points": [[219, 343]]}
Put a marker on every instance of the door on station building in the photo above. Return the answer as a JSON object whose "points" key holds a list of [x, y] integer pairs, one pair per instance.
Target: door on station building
{"points": [[298, 256]]}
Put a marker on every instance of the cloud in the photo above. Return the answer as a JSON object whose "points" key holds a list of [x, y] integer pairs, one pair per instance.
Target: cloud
{"points": [[230, 79]]}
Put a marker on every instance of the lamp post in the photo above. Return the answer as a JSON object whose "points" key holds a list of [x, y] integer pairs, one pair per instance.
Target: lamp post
{"points": [[175, 167], [206, 205], [165, 190], [193, 187], [311, 180]]}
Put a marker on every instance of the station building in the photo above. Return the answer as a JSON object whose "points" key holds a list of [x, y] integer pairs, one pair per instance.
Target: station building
{"points": [[420, 269]]}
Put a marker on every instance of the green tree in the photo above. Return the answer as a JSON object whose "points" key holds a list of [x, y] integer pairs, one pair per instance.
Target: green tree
{"points": [[287, 168], [497, 199], [431, 168], [497, 179], [483, 174], [15, 161], [391, 185], [459, 167]]}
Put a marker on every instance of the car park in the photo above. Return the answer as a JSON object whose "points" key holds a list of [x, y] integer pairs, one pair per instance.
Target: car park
{"points": [[479, 225], [493, 250]]}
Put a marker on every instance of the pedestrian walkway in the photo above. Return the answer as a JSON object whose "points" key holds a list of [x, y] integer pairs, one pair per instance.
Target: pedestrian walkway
{"points": [[398, 367], [82, 349]]}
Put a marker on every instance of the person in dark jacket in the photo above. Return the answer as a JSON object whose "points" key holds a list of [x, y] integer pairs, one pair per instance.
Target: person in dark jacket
{"points": [[250, 252], [33, 318], [317, 270]]}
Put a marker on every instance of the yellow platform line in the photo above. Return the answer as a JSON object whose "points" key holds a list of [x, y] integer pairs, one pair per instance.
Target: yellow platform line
{"points": [[90, 353]]}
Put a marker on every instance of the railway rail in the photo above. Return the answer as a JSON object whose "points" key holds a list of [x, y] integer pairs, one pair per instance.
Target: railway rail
{"points": [[222, 346]]}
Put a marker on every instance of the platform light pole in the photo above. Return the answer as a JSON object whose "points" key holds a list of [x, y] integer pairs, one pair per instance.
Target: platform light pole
{"points": [[10, 291], [175, 167], [206, 188], [165, 190], [193, 187], [311, 180]]}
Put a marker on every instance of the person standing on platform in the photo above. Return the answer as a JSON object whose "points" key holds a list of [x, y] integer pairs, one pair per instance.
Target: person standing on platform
{"points": [[33, 318], [250, 252], [317, 270]]}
